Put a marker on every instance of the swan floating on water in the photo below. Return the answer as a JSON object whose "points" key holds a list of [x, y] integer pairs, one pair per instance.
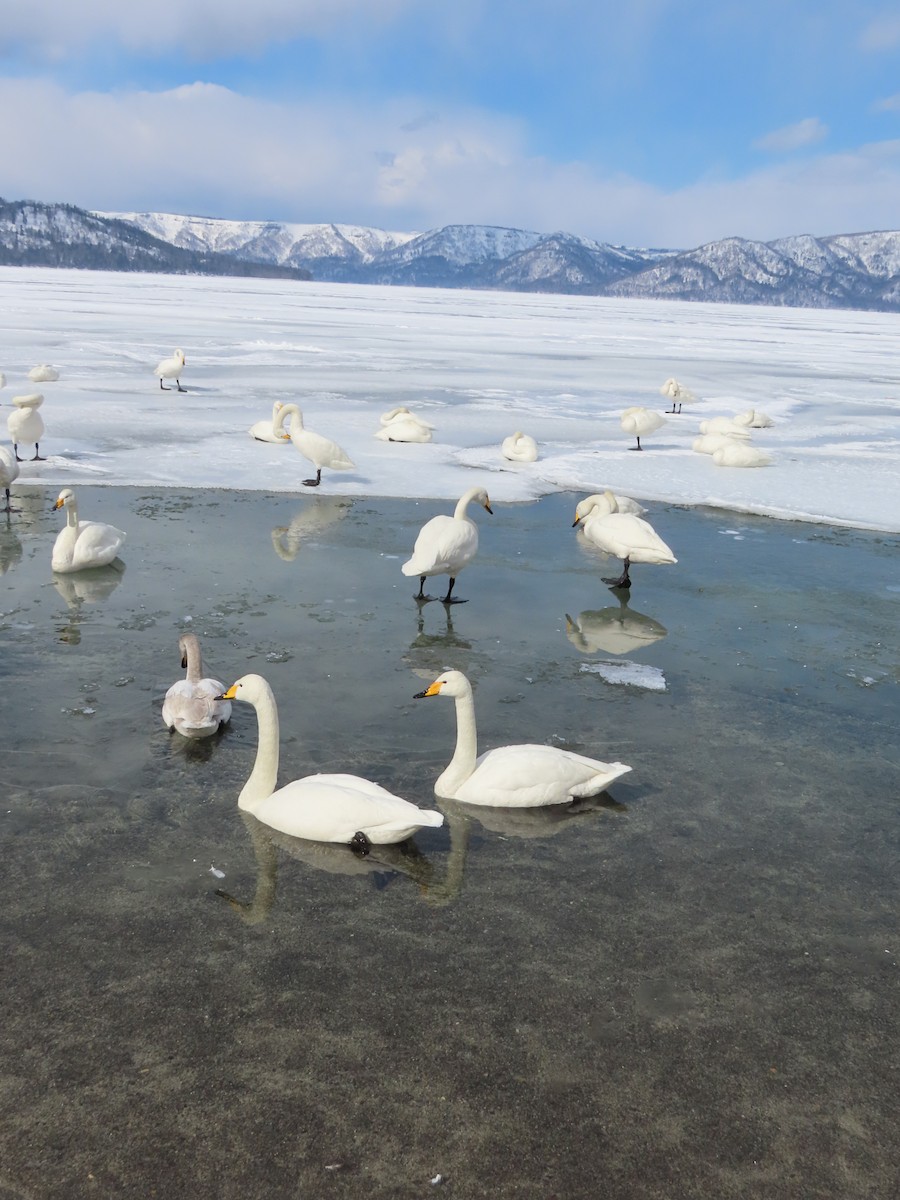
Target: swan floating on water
{"points": [[524, 776], [83, 544], [519, 448], [676, 392], [192, 707], [624, 536], [320, 451], [26, 425], [400, 425], [446, 544], [641, 421], [320, 808], [9, 473], [171, 368], [43, 374], [264, 431], [740, 454]]}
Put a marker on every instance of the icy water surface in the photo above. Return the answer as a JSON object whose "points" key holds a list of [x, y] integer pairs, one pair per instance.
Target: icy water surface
{"points": [[687, 987]]}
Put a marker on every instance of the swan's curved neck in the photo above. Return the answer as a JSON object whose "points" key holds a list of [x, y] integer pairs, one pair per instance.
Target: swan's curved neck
{"points": [[72, 514], [462, 764], [287, 410], [464, 502], [264, 775], [194, 662]]}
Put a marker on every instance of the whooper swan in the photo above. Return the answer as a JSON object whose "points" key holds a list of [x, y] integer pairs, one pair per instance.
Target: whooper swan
{"points": [[623, 535], [400, 425], [511, 776], [191, 706], [320, 451], [171, 368], [9, 473], [519, 447], [25, 425], [640, 421], [446, 544], [264, 431], [320, 808], [677, 393], [83, 544]]}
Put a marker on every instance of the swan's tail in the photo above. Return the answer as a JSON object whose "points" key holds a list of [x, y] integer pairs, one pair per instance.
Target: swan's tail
{"points": [[431, 818]]}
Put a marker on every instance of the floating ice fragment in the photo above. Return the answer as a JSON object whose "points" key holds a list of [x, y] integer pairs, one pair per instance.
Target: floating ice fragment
{"points": [[215, 871], [437, 1179], [631, 674]]}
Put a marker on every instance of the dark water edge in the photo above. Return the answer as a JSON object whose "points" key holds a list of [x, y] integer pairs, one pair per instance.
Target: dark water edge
{"points": [[688, 988]]}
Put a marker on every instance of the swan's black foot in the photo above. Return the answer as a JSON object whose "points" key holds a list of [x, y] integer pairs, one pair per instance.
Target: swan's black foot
{"points": [[622, 582], [311, 482], [180, 388], [163, 388], [360, 844], [635, 447], [448, 599], [420, 599], [39, 458]]}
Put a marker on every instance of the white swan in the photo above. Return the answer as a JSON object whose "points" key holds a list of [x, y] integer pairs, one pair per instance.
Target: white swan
{"points": [[676, 392], [624, 504], [400, 425], [43, 374], [519, 448], [192, 706], [83, 544], [264, 431], [9, 473], [511, 776], [640, 421], [724, 425], [740, 454], [709, 443], [446, 544], [171, 368], [623, 535], [320, 808], [753, 419], [26, 425], [320, 451]]}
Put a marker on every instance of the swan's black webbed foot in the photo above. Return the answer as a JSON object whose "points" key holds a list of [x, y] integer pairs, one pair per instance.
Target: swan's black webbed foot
{"points": [[39, 457], [452, 600], [163, 388], [314, 482], [180, 388], [360, 844]]}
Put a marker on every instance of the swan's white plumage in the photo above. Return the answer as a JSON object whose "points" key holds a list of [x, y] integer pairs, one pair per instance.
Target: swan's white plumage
{"points": [[320, 451], [622, 534], [446, 545], [519, 447], [400, 425], [43, 374], [9, 473], [83, 544], [525, 776], [677, 393], [753, 419], [25, 424], [640, 421], [264, 431], [624, 504], [740, 454], [191, 706], [321, 808], [709, 443], [724, 425], [171, 368]]}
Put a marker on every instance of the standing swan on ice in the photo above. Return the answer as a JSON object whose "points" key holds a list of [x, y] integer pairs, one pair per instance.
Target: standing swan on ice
{"points": [[519, 448], [319, 450], [9, 473], [511, 776], [641, 421], [446, 544], [623, 535], [400, 425], [192, 706], [26, 424], [83, 544], [171, 368], [676, 392], [320, 808]]}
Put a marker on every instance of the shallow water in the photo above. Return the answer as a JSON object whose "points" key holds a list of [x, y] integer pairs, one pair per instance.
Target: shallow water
{"points": [[686, 988]]}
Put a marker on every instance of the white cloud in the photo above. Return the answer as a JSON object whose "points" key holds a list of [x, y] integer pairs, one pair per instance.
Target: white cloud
{"points": [[793, 137], [881, 33], [888, 104], [205, 149]]}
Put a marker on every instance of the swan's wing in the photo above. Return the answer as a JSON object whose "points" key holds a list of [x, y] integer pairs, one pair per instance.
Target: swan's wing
{"points": [[531, 775], [627, 536], [333, 808], [192, 712], [444, 544], [321, 451], [96, 543]]}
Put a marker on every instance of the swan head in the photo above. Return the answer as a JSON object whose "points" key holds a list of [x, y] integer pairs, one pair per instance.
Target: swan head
{"points": [[601, 504], [179, 354], [250, 688], [451, 683], [480, 496], [65, 498]]}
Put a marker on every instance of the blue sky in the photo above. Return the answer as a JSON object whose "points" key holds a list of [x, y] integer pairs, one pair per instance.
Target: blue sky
{"points": [[645, 123]]}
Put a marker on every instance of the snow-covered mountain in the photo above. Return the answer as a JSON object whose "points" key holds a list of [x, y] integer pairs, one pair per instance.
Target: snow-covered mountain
{"points": [[842, 271]]}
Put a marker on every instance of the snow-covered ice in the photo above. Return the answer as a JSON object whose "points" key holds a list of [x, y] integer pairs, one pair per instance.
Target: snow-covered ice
{"points": [[478, 366]]}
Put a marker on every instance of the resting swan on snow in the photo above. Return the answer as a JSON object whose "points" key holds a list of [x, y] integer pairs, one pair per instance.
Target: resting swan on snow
{"points": [[192, 707], [740, 454], [83, 544], [511, 776], [400, 425], [264, 431], [43, 374], [320, 808], [622, 535], [519, 448], [171, 368], [446, 544], [320, 451]]}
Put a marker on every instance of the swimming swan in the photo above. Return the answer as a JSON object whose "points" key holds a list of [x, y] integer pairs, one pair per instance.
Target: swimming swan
{"points": [[640, 421], [676, 392], [9, 473], [400, 425], [320, 808], [26, 424], [519, 448], [191, 706], [319, 450], [446, 544], [511, 776], [623, 535], [171, 368], [83, 544], [264, 431]]}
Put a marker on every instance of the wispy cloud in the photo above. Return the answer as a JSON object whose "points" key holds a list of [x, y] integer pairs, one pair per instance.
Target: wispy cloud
{"points": [[807, 132], [888, 104], [881, 33]]}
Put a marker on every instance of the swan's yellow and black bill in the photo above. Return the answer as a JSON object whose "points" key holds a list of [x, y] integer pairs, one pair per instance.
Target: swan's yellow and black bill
{"points": [[575, 522], [230, 694], [433, 689], [59, 503]]}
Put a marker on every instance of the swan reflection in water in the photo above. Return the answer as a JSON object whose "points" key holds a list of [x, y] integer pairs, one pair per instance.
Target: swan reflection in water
{"points": [[614, 630], [382, 863], [85, 587], [430, 653], [10, 547], [317, 514]]}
